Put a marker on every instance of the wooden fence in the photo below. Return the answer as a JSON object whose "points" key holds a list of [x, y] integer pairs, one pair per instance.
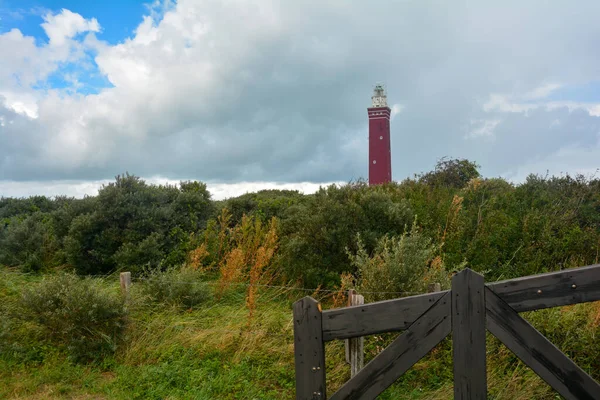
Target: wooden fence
{"points": [[465, 311]]}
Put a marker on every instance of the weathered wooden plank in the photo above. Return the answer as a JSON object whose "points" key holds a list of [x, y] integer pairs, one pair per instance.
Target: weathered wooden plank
{"points": [[369, 319], [522, 294], [125, 280], [420, 337], [537, 352], [347, 341], [309, 350], [356, 344], [570, 286], [468, 335]]}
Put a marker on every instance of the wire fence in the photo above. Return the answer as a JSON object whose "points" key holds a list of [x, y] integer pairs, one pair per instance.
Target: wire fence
{"points": [[240, 284], [238, 323], [245, 284]]}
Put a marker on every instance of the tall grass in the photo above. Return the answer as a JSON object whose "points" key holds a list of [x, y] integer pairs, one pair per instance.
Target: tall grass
{"points": [[213, 352]]}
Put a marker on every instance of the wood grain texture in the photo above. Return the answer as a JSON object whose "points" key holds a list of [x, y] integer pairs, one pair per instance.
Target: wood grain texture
{"points": [[357, 345], [522, 294], [351, 292], [125, 280], [570, 286], [420, 337], [309, 350], [369, 319], [468, 336], [537, 352]]}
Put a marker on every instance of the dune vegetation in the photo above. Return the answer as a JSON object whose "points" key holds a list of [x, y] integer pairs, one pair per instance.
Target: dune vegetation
{"points": [[208, 315]]}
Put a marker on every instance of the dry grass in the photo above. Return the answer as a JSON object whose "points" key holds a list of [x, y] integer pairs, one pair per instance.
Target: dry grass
{"points": [[215, 352]]}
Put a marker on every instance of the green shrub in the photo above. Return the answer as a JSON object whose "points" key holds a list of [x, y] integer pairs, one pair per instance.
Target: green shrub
{"points": [[316, 233], [406, 263], [29, 243], [76, 314], [144, 253], [179, 287], [134, 224]]}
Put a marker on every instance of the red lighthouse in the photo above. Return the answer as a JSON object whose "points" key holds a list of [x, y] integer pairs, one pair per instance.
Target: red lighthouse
{"points": [[380, 153]]}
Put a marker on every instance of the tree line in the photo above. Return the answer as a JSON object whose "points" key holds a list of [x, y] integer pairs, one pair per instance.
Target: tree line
{"points": [[441, 220]]}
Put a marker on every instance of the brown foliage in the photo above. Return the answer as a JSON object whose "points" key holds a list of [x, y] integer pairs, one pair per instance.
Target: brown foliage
{"points": [[452, 216], [197, 256], [244, 254], [340, 297]]}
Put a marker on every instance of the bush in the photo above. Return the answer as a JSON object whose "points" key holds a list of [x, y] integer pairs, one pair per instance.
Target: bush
{"points": [[145, 253], [29, 243], [76, 314], [316, 233], [451, 173], [134, 224], [179, 287], [399, 264], [264, 204]]}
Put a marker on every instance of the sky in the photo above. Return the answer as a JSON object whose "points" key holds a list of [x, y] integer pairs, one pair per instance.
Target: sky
{"points": [[252, 94]]}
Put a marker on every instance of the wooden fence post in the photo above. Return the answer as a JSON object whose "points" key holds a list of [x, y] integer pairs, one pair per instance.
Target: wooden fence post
{"points": [[125, 278], [309, 349], [468, 336], [355, 354], [347, 341], [435, 287]]}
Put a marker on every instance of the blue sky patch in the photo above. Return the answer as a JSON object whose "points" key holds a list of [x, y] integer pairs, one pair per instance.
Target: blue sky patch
{"points": [[76, 78], [585, 93], [118, 18]]}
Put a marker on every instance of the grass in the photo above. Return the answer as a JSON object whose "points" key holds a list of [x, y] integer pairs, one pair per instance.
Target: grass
{"points": [[214, 352]]}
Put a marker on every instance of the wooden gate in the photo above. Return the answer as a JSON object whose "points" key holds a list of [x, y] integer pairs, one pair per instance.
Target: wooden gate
{"points": [[465, 311]]}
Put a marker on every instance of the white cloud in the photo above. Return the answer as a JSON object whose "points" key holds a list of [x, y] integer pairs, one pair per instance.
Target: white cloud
{"points": [[50, 188], [21, 103], [30, 64], [482, 128], [226, 190], [571, 159], [542, 92], [503, 103], [66, 25], [272, 90], [593, 109], [146, 32], [79, 189], [396, 109], [517, 104]]}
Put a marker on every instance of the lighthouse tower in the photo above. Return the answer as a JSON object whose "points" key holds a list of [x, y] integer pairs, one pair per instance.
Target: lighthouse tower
{"points": [[380, 153]]}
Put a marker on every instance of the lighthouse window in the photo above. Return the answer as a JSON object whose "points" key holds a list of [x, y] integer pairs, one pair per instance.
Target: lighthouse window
{"points": [[374, 161]]}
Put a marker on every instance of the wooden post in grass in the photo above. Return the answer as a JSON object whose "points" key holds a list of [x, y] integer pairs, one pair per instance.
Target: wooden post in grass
{"points": [[125, 284], [435, 287], [355, 355]]}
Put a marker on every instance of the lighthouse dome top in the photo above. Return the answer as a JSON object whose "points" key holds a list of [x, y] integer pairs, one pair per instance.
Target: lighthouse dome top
{"points": [[379, 98]]}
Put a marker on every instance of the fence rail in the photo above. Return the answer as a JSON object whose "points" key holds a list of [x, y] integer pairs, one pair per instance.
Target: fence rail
{"points": [[467, 310]]}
